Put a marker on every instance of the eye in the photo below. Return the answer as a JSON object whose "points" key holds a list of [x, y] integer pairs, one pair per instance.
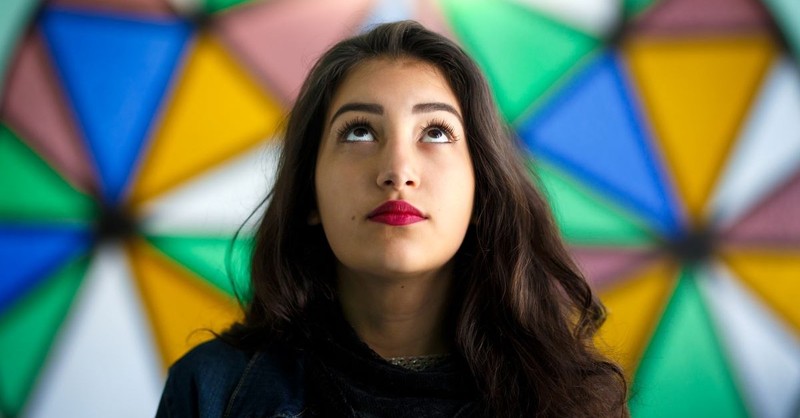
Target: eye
{"points": [[359, 134], [356, 131], [438, 132]]}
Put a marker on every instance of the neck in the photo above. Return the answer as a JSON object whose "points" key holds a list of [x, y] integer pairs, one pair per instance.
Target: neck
{"points": [[397, 316]]}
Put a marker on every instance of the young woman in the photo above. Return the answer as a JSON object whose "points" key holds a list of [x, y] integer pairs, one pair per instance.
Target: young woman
{"points": [[406, 265]]}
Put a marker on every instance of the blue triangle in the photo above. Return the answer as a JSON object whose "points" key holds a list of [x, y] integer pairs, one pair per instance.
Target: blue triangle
{"points": [[388, 11], [115, 71], [30, 254], [591, 129]]}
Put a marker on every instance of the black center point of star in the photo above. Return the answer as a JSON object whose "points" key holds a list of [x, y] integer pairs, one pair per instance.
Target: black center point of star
{"points": [[693, 247], [115, 223]]}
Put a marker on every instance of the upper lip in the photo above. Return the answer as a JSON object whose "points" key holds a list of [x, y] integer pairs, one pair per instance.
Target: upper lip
{"points": [[395, 206]]}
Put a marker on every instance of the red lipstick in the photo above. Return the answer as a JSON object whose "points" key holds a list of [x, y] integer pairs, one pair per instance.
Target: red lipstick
{"points": [[396, 213]]}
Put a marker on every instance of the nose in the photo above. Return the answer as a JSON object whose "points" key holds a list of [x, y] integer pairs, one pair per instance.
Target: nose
{"points": [[398, 168]]}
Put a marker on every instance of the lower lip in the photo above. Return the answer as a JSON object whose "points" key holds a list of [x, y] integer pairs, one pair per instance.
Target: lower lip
{"points": [[396, 219]]}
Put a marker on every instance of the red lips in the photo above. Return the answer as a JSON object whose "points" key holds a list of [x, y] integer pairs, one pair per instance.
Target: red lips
{"points": [[396, 213]]}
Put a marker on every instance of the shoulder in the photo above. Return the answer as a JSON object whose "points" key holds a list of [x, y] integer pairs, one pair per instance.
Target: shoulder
{"points": [[216, 379]]}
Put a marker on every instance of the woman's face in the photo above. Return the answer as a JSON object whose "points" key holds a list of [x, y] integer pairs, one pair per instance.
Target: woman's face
{"points": [[394, 178]]}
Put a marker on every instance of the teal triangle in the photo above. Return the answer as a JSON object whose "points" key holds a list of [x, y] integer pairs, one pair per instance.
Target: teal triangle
{"points": [[684, 372], [14, 16], [523, 53], [787, 14], [606, 146], [115, 70]]}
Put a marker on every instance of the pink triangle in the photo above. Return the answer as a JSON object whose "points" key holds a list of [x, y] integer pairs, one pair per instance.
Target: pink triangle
{"points": [[430, 15], [280, 40], [34, 106], [775, 221], [709, 16], [605, 266], [150, 7]]}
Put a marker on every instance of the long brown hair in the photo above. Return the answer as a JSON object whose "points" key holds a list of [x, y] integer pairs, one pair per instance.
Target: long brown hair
{"points": [[524, 315]]}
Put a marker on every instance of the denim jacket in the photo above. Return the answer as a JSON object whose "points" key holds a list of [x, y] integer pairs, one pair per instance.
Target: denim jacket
{"points": [[217, 380]]}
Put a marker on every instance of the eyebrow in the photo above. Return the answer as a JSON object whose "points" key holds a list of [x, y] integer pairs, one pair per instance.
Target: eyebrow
{"points": [[378, 109]]}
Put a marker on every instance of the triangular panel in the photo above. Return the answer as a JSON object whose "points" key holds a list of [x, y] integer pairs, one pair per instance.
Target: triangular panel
{"points": [[219, 201], [634, 306], [31, 191], [763, 350], [12, 22], [773, 222], [604, 266], [699, 17], [768, 152], [182, 307], [211, 258], [31, 254], [34, 105], [787, 13], [774, 275], [696, 113], [524, 54], [103, 363], [603, 146], [27, 330], [684, 371], [281, 39], [584, 217], [598, 17], [115, 99], [216, 112], [149, 7], [384, 11]]}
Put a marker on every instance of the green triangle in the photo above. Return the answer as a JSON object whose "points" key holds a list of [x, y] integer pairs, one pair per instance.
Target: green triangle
{"points": [[27, 330], [631, 8], [787, 14], [211, 259], [684, 371], [31, 190], [522, 53], [214, 6], [583, 217]]}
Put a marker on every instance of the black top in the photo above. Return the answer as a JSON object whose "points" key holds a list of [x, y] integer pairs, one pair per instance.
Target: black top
{"points": [[345, 378], [332, 374]]}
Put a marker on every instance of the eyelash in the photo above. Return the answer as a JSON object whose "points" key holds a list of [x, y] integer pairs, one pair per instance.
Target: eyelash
{"points": [[361, 122], [444, 126]]}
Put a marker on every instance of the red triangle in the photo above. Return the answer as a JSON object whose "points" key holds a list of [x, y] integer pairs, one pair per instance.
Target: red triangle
{"points": [[35, 107], [280, 40], [604, 266], [774, 222], [150, 7], [703, 16]]}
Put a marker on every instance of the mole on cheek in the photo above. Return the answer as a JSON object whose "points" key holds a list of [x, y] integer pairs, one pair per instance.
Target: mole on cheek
{"points": [[353, 218]]}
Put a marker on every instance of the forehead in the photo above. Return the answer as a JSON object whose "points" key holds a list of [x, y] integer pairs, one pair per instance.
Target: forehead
{"points": [[385, 80]]}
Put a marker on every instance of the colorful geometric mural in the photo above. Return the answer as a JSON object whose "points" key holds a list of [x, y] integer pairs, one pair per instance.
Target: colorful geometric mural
{"points": [[137, 136]]}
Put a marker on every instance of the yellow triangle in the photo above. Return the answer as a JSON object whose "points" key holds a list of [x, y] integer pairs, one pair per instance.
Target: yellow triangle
{"points": [[634, 307], [774, 275], [216, 111], [181, 306], [696, 93]]}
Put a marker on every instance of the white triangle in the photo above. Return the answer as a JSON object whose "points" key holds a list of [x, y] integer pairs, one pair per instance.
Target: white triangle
{"points": [[597, 17], [764, 353], [768, 151], [104, 362], [218, 202]]}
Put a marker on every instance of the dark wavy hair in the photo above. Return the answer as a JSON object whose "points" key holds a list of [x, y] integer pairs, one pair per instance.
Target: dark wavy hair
{"points": [[524, 317]]}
